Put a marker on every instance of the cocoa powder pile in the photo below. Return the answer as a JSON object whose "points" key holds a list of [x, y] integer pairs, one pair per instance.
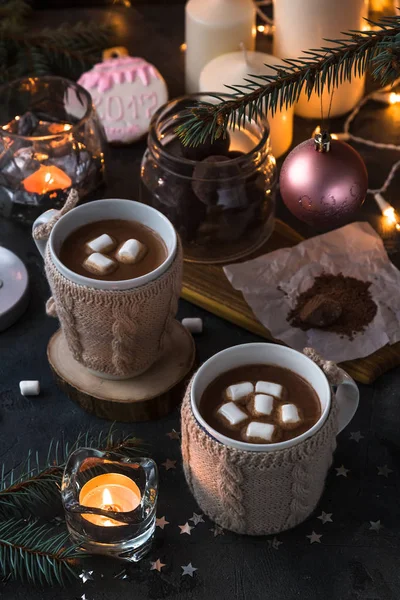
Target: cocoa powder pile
{"points": [[335, 303]]}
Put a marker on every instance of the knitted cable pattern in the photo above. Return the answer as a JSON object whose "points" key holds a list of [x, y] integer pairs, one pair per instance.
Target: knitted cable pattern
{"points": [[256, 493], [120, 333]]}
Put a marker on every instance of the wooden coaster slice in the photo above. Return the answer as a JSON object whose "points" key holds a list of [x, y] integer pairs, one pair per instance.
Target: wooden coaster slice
{"points": [[149, 396]]}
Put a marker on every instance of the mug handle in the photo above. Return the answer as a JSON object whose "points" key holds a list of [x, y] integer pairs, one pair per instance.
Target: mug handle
{"points": [[347, 397], [43, 219]]}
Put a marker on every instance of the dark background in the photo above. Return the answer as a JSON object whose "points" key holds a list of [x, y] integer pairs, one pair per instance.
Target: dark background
{"points": [[351, 562]]}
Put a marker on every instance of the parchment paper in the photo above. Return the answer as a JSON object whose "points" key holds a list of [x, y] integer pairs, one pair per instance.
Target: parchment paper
{"points": [[355, 250]]}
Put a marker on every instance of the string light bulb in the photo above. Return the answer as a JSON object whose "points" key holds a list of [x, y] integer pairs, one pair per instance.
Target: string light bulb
{"points": [[388, 211]]}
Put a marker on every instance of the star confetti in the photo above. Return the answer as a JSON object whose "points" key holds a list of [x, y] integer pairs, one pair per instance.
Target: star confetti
{"points": [[384, 471], [161, 522], [342, 471], [314, 538], [186, 528], [86, 576], [274, 543], [188, 570], [197, 519], [173, 435], [169, 464], [157, 565], [217, 530], [325, 517], [356, 436], [375, 526]]}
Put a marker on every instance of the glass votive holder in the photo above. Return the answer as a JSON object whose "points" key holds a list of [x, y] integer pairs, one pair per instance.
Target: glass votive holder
{"points": [[110, 503], [220, 197], [51, 139]]}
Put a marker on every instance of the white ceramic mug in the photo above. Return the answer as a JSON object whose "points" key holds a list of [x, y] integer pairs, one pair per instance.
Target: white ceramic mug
{"points": [[135, 348], [101, 210], [347, 394]]}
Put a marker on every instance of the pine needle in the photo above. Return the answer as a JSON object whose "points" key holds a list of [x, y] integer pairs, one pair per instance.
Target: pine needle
{"points": [[322, 68], [36, 553], [37, 482]]}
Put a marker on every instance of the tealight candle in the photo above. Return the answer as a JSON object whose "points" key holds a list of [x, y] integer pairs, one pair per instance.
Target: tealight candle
{"points": [[110, 502], [232, 69], [110, 491], [46, 179]]}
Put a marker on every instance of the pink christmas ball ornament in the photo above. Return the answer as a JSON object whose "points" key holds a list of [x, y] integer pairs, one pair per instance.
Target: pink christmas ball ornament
{"points": [[323, 189]]}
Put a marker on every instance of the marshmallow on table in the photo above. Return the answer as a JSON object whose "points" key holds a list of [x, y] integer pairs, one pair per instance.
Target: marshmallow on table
{"points": [[131, 252], [103, 243], [29, 388], [239, 390], [193, 325], [263, 404], [267, 387], [289, 416], [232, 413], [263, 431], [99, 264]]}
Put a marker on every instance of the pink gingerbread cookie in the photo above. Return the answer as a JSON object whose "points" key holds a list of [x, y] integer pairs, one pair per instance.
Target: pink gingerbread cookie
{"points": [[126, 92]]}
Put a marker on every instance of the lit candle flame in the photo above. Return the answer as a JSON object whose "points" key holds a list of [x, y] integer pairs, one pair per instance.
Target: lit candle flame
{"points": [[107, 498], [46, 179], [394, 98]]}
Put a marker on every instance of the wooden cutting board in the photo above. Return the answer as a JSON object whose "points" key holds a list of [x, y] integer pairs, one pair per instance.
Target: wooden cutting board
{"points": [[207, 286]]}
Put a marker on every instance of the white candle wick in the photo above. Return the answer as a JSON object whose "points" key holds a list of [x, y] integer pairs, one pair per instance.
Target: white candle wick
{"points": [[245, 54]]}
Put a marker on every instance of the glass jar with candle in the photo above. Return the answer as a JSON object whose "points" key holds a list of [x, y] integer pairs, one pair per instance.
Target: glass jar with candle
{"points": [[221, 196], [50, 140], [110, 502]]}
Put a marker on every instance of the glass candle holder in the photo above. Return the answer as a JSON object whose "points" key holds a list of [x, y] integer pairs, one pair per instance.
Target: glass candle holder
{"points": [[221, 196], [50, 140], [110, 503]]}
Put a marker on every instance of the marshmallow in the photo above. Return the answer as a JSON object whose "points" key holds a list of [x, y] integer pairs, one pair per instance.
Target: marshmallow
{"points": [[289, 416], [99, 264], [193, 325], [232, 413], [239, 390], [131, 252], [263, 431], [263, 404], [272, 389], [29, 388], [103, 243]]}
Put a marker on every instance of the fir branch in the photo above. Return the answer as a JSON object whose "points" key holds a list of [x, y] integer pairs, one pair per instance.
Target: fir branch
{"points": [[67, 50], [37, 483], [322, 68], [35, 553]]}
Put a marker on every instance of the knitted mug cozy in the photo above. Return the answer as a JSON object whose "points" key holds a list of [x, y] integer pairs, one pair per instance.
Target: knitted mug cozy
{"points": [[119, 333], [256, 493]]}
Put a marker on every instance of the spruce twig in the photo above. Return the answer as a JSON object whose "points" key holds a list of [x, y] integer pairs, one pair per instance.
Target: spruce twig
{"points": [[67, 50], [322, 68], [37, 483], [35, 553]]}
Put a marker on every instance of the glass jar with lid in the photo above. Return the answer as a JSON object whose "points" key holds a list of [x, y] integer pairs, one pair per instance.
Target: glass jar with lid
{"points": [[221, 196]]}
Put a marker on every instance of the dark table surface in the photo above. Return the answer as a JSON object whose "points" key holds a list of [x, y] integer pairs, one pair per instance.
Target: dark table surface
{"points": [[352, 561]]}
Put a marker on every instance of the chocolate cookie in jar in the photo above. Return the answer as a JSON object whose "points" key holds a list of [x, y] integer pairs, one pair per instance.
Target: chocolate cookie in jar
{"points": [[220, 196]]}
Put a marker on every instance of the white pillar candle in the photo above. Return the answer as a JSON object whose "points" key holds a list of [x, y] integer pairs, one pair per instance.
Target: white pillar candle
{"points": [[301, 26], [232, 69], [214, 27]]}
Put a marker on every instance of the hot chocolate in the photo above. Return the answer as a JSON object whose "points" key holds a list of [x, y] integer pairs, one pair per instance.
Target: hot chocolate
{"points": [[260, 404], [113, 250]]}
